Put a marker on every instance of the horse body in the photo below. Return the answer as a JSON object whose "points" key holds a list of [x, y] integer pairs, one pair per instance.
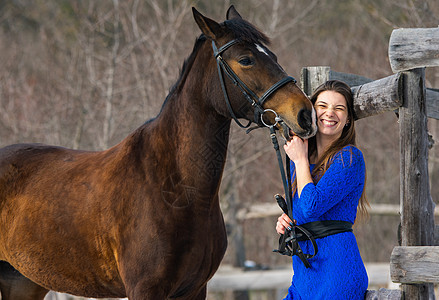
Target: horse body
{"points": [[141, 209], [141, 219]]}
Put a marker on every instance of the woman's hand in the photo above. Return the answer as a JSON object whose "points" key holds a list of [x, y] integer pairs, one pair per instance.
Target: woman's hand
{"points": [[297, 149], [284, 222]]}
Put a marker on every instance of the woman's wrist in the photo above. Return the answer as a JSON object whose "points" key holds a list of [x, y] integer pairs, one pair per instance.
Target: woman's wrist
{"points": [[302, 164]]}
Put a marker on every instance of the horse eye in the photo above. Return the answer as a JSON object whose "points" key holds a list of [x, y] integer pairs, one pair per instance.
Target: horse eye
{"points": [[246, 61]]}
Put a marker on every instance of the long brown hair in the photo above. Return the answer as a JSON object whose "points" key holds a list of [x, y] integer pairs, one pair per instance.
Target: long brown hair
{"points": [[347, 138]]}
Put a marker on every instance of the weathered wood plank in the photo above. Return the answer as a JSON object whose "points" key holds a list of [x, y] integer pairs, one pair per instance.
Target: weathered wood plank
{"points": [[378, 96], [350, 79], [411, 48], [271, 209], [415, 264], [312, 77], [383, 294], [417, 220], [436, 235], [372, 97], [238, 279], [417, 213], [231, 278], [433, 103]]}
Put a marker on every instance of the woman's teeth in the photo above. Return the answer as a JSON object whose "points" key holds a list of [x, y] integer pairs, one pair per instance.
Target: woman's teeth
{"points": [[329, 123]]}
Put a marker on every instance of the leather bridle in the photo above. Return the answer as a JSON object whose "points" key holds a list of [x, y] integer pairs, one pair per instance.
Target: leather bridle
{"points": [[256, 102], [288, 242]]}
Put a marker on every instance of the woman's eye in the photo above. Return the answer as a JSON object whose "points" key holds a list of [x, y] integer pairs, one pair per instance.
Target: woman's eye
{"points": [[246, 61]]}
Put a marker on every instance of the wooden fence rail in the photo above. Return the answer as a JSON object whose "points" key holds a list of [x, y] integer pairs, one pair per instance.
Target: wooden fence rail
{"points": [[415, 265], [269, 209], [411, 48], [313, 76], [371, 97]]}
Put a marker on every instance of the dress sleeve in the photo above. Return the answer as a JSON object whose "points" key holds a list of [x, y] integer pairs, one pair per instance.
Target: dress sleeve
{"points": [[345, 175]]}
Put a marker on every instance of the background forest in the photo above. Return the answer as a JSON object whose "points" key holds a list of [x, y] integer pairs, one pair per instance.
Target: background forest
{"points": [[84, 74]]}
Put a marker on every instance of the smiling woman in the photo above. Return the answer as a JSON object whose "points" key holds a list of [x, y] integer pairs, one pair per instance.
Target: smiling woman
{"points": [[328, 175]]}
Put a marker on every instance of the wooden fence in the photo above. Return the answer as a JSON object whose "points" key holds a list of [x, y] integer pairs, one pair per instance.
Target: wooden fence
{"points": [[410, 51]]}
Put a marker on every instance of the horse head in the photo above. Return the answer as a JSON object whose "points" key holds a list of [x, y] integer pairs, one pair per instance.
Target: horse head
{"points": [[255, 86]]}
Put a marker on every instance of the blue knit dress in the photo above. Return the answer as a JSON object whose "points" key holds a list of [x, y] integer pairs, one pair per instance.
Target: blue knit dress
{"points": [[337, 271]]}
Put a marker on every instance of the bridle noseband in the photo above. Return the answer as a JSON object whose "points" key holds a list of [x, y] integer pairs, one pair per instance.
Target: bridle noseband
{"points": [[256, 102], [288, 243]]}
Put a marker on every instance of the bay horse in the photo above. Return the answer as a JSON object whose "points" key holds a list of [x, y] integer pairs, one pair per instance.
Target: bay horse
{"points": [[142, 219]]}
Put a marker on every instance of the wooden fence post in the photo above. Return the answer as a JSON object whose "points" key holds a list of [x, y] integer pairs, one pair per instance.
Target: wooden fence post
{"points": [[312, 77], [417, 219]]}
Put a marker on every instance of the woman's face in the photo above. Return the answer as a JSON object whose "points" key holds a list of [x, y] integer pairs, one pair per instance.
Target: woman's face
{"points": [[332, 114]]}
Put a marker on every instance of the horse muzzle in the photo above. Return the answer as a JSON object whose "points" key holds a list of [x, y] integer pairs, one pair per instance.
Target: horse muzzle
{"points": [[305, 128]]}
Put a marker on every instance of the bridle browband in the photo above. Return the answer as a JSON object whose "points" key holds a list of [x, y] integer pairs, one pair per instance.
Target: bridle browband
{"points": [[256, 102], [288, 242]]}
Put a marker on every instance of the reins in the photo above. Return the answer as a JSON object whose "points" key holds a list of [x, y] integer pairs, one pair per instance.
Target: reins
{"points": [[288, 242]]}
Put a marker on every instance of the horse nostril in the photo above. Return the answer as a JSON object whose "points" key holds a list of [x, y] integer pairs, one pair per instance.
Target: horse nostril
{"points": [[305, 118]]}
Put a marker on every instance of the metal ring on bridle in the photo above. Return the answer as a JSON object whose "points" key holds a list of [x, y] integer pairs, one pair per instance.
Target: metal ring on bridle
{"points": [[277, 119]]}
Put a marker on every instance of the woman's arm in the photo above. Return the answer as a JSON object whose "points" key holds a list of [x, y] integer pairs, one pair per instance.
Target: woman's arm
{"points": [[297, 151], [345, 174]]}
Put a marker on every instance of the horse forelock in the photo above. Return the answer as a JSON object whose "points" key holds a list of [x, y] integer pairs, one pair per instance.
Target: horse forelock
{"points": [[245, 31]]}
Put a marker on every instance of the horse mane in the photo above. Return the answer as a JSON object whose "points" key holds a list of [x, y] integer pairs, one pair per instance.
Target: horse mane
{"points": [[187, 64], [246, 32]]}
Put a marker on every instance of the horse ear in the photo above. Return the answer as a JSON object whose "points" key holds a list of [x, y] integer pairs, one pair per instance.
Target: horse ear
{"points": [[209, 27], [232, 13]]}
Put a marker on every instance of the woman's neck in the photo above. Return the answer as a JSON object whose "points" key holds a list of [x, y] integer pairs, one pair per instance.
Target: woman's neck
{"points": [[322, 143]]}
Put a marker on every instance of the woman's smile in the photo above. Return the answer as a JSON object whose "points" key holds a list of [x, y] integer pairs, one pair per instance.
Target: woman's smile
{"points": [[328, 123]]}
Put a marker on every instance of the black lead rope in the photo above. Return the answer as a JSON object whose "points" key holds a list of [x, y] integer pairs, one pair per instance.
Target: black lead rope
{"points": [[288, 242]]}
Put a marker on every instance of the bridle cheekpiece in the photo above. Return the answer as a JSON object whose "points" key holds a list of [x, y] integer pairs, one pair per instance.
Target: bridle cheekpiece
{"points": [[256, 102]]}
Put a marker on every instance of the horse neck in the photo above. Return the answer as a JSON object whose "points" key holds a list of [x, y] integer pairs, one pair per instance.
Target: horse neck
{"points": [[189, 137], [198, 136]]}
